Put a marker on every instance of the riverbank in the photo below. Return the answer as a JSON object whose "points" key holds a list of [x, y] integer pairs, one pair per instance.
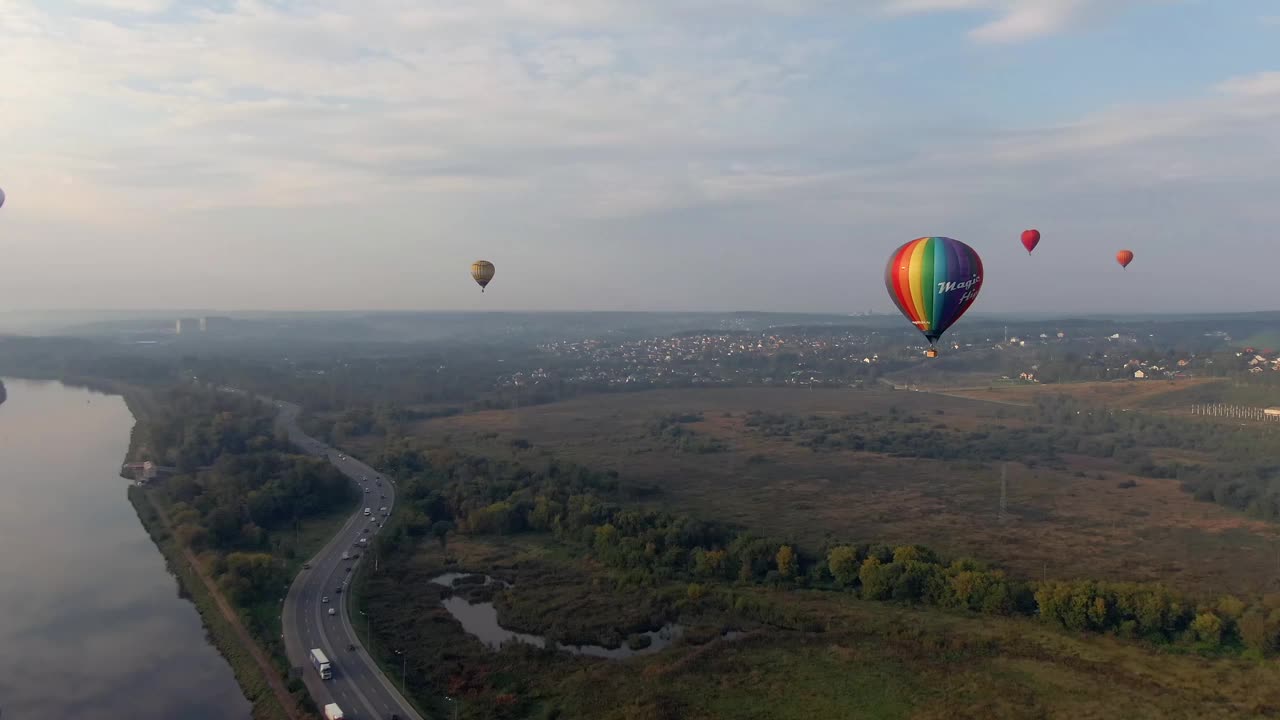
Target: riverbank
{"points": [[261, 684], [233, 581]]}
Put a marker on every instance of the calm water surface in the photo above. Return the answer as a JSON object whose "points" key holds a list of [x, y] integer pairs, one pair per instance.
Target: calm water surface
{"points": [[91, 625], [481, 620]]}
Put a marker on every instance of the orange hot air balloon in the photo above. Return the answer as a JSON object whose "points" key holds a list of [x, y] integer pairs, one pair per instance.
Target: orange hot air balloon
{"points": [[1124, 257]]}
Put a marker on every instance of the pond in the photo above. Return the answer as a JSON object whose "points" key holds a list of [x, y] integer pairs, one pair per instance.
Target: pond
{"points": [[481, 620]]}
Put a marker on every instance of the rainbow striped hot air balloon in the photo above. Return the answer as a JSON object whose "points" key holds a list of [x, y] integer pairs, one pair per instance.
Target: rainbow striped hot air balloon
{"points": [[933, 281]]}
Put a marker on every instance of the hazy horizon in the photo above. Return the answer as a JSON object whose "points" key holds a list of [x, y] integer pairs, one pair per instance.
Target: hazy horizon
{"points": [[706, 156]]}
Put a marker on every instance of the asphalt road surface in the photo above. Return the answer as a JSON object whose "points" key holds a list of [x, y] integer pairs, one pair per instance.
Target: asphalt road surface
{"points": [[357, 685]]}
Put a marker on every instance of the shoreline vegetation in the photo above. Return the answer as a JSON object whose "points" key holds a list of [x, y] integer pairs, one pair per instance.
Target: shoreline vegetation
{"points": [[222, 632], [225, 449]]}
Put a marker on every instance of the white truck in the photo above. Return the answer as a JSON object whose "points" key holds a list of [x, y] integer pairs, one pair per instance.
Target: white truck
{"points": [[321, 663], [333, 712]]}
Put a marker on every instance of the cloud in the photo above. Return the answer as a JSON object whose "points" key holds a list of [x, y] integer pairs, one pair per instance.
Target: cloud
{"points": [[1018, 20], [224, 143], [142, 7]]}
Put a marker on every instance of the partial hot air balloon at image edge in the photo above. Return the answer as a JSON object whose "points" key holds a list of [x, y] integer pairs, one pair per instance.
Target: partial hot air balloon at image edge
{"points": [[933, 281], [1030, 238], [1124, 257], [482, 271], [1, 197]]}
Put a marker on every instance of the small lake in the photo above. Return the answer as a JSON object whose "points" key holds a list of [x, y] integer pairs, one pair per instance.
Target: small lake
{"points": [[481, 620], [91, 624]]}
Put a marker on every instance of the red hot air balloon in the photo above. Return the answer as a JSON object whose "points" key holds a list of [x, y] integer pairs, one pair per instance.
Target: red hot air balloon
{"points": [[1124, 257], [1030, 238]]}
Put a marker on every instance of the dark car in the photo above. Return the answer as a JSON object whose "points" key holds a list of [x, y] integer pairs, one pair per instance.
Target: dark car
{"points": [[338, 590], [348, 569], [351, 646]]}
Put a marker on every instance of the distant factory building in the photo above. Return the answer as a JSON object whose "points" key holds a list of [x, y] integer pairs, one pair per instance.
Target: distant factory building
{"points": [[1272, 411], [189, 326]]}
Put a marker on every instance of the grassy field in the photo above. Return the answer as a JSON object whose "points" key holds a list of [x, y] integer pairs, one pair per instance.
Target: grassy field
{"points": [[873, 660], [1087, 518]]}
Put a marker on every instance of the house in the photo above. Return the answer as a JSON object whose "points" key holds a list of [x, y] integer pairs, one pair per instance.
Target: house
{"points": [[1139, 374], [1183, 363]]}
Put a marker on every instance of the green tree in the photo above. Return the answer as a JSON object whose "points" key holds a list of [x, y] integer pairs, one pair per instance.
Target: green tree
{"points": [[440, 530], [842, 561], [1207, 628], [709, 563], [878, 578], [786, 559]]}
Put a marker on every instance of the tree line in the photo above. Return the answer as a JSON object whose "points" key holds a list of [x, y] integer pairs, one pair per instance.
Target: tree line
{"points": [[446, 491], [239, 491]]}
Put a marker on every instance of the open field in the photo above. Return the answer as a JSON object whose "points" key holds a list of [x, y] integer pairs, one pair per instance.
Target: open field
{"points": [[1117, 393], [1083, 517], [872, 660]]}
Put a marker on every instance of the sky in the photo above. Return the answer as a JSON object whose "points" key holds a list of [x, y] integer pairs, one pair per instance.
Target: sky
{"points": [[629, 155]]}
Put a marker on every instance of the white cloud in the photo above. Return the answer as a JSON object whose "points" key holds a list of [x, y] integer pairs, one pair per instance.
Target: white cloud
{"points": [[1019, 20], [143, 7], [227, 139]]}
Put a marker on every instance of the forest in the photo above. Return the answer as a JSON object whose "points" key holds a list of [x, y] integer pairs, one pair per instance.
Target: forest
{"points": [[239, 493], [447, 491]]}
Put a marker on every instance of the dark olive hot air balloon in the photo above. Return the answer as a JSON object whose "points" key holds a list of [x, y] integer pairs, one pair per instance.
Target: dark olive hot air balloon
{"points": [[933, 281], [1030, 238], [482, 272], [1124, 257], [1, 197]]}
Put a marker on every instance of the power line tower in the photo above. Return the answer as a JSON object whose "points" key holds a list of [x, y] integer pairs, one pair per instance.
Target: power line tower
{"points": [[1004, 493]]}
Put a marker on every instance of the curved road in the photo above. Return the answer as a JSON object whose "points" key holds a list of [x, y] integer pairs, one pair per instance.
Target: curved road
{"points": [[357, 685]]}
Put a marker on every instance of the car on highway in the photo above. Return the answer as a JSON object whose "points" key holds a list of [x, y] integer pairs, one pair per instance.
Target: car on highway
{"points": [[351, 646], [338, 590], [365, 531], [348, 569], [306, 566], [324, 599], [332, 611]]}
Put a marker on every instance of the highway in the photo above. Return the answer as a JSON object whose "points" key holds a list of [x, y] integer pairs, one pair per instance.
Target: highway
{"points": [[357, 685]]}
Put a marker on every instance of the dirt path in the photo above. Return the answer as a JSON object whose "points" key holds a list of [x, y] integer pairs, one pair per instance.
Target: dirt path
{"points": [[264, 663]]}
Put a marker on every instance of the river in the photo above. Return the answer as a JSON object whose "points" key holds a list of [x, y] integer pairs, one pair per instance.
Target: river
{"points": [[91, 624]]}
